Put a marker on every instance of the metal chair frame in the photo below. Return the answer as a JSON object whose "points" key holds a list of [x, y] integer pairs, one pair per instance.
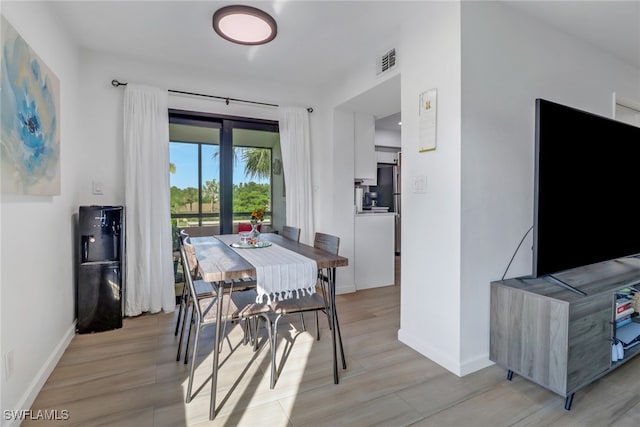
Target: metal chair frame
{"points": [[200, 310], [309, 303], [203, 290]]}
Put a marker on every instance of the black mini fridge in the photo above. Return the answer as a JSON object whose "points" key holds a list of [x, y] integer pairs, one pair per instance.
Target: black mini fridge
{"points": [[100, 268]]}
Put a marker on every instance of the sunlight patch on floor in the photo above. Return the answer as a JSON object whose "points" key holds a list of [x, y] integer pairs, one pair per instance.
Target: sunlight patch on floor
{"points": [[243, 383]]}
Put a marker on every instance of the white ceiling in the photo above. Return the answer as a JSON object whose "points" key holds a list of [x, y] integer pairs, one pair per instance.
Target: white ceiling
{"points": [[316, 41]]}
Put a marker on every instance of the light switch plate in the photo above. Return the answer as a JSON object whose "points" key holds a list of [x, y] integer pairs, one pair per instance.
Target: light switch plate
{"points": [[97, 187]]}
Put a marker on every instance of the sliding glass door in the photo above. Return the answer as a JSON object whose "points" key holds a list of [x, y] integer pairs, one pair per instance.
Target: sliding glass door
{"points": [[222, 169]]}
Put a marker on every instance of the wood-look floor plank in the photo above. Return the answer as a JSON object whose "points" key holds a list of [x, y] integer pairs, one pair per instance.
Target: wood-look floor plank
{"points": [[445, 391], [351, 391], [97, 386], [389, 410], [480, 410], [631, 418]]}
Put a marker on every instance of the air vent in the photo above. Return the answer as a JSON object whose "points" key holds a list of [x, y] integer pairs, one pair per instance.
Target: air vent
{"points": [[386, 62]]}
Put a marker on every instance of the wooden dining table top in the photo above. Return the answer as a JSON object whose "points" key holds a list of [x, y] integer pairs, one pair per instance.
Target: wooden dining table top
{"points": [[218, 262]]}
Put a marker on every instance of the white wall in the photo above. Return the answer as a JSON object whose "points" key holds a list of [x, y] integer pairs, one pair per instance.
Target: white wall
{"points": [[430, 312], [342, 205], [428, 47], [508, 60], [37, 277]]}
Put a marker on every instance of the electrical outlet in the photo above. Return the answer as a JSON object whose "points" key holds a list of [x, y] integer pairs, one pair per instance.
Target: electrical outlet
{"points": [[8, 364], [419, 184]]}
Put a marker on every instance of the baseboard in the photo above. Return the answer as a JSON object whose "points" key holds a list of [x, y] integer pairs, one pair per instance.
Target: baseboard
{"points": [[460, 369], [348, 289], [429, 352], [475, 364], [27, 399]]}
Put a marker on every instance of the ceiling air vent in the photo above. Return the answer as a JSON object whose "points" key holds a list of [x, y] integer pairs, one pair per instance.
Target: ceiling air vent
{"points": [[386, 62]]}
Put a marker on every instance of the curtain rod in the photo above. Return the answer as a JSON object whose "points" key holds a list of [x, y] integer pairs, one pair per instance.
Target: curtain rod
{"points": [[226, 99]]}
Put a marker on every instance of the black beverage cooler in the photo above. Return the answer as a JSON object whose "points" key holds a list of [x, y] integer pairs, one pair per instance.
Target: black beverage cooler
{"points": [[100, 260]]}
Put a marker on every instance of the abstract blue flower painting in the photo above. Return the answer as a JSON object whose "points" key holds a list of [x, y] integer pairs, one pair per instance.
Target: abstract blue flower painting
{"points": [[29, 119]]}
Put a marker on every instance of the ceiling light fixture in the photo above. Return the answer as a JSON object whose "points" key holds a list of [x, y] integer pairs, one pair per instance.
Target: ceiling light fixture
{"points": [[244, 25]]}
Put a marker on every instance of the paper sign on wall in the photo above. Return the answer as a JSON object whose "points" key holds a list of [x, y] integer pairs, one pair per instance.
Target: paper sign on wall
{"points": [[427, 121]]}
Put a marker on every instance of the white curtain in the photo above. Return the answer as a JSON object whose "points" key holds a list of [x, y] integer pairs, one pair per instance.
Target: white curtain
{"points": [[150, 281], [295, 142]]}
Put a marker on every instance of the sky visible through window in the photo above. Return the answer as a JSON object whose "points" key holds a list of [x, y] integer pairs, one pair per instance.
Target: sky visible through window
{"points": [[185, 158]]}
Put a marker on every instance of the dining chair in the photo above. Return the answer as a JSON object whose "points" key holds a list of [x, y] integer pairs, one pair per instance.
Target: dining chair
{"points": [[185, 291], [291, 233], [203, 289], [236, 305], [315, 302]]}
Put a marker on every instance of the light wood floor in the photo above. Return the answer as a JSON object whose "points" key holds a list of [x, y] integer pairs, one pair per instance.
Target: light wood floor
{"points": [[129, 377]]}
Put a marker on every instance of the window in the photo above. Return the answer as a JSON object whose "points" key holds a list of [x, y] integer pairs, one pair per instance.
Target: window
{"points": [[221, 170]]}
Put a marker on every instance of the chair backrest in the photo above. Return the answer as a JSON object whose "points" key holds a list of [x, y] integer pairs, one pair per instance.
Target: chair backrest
{"points": [[187, 263], [291, 233], [327, 242], [202, 230], [190, 253]]}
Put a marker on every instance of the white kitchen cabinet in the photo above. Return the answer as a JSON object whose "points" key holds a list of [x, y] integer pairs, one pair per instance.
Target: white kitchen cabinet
{"points": [[365, 154], [387, 138], [374, 257], [386, 156]]}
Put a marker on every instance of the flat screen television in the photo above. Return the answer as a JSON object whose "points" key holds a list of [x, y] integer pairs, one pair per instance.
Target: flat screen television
{"points": [[587, 184]]}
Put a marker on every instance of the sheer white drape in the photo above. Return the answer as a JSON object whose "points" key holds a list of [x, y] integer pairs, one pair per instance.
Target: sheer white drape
{"points": [[295, 143], [150, 281]]}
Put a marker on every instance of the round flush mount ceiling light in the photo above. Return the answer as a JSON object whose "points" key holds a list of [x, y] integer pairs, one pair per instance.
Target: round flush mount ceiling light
{"points": [[244, 25]]}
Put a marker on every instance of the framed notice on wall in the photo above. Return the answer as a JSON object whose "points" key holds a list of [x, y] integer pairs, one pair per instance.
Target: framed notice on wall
{"points": [[427, 120]]}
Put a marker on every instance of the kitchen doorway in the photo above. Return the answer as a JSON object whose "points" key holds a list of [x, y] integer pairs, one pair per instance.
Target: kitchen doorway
{"points": [[377, 178]]}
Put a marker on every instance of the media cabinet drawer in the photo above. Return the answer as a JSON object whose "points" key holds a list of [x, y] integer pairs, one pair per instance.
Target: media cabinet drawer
{"points": [[589, 340]]}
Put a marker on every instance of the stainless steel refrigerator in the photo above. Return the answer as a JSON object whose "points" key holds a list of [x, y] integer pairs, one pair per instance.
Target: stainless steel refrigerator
{"points": [[389, 193], [100, 260]]}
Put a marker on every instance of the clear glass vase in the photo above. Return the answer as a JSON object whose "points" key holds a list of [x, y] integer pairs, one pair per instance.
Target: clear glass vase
{"points": [[255, 232]]}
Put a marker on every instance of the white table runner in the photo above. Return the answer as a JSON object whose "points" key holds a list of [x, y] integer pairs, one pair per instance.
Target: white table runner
{"points": [[280, 273]]}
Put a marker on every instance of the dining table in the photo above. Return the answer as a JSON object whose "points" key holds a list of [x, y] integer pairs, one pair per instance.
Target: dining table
{"points": [[221, 265]]}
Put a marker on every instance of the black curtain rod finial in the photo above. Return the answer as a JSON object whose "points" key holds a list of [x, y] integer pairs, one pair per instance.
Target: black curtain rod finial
{"points": [[116, 83]]}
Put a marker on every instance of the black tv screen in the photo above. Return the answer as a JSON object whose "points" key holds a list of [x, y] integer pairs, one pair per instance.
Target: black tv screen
{"points": [[587, 184]]}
